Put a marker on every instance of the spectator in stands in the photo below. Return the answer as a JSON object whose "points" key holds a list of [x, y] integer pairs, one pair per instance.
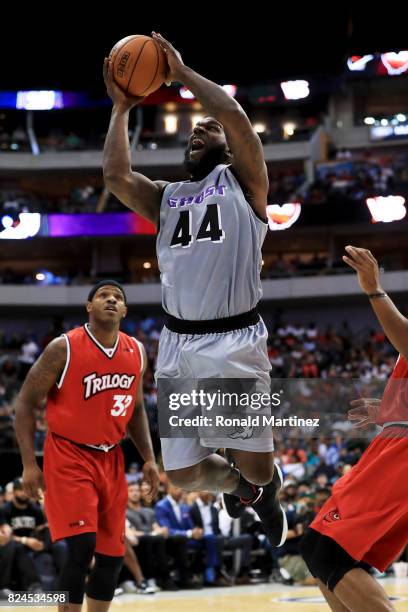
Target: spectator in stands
{"points": [[19, 136], [29, 528], [8, 492], [131, 568], [144, 491], [152, 541], [321, 496], [333, 451], [25, 518], [29, 353], [176, 517], [41, 428], [299, 514], [73, 142], [134, 474], [323, 470], [204, 514], [6, 421], [17, 569], [294, 459]]}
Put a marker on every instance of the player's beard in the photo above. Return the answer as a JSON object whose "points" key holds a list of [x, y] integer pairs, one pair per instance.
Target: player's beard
{"points": [[200, 168]]}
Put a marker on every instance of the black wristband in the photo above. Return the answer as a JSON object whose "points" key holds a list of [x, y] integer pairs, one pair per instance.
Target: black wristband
{"points": [[380, 294]]}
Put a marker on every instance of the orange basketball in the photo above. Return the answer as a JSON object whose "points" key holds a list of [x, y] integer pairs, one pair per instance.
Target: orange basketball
{"points": [[139, 65]]}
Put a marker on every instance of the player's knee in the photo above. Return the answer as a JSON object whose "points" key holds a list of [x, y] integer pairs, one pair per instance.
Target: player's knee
{"points": [[325, 558], [186, 478], [104, 577], [81, 549]]}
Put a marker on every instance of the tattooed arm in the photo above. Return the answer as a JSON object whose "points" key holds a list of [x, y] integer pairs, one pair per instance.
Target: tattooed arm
{"points": [[42, 376]]}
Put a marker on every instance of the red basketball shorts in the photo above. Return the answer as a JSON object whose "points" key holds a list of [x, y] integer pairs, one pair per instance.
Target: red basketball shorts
{"points": [[85, 491], [367, 514]]}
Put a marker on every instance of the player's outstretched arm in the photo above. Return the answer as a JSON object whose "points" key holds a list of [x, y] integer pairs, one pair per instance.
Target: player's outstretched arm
{"points": [[133, 189], [244, 142], [364, 412], [139, 432], [394, 324], [44, 373]]}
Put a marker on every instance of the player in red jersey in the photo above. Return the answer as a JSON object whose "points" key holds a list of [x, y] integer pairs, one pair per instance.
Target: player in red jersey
{"points": [[365, 521], [92, 378]]}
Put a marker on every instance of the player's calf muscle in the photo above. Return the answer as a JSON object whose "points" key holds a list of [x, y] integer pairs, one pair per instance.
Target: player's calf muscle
{"points": [[189, 478], [211, 474]]}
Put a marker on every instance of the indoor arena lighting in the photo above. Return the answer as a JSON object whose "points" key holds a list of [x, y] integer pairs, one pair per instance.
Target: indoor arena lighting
{"points": [[29, 226], [40, 276], [186, 94], [382, 132], [259, 128], [295, 90], [386, 208], [7, 221], [147, 265], [230, 89], [280, 217], [396, 62], [288, 129], [369, 120], [357, 63], [170, 124], [401, 117], [401, 130], [39, 100]]}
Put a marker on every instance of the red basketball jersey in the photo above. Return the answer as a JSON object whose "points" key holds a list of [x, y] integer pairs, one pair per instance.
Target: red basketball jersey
{"points": [[95, 396], [394, 404]]}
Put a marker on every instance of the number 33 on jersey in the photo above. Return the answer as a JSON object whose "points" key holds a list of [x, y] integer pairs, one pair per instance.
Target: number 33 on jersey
{"points": [[93, 401]]}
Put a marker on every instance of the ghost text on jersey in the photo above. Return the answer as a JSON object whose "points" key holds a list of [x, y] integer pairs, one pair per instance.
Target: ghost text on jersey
{"points": [[94, 384], [197, 198]]}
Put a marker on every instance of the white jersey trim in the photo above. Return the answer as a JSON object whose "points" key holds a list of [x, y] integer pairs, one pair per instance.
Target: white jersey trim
{"points": [[392, 423], [139, 346], [61, 380], [109, 352]]}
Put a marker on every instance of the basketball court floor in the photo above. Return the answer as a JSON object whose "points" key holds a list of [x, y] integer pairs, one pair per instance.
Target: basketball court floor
{"points": [[256, 598]]}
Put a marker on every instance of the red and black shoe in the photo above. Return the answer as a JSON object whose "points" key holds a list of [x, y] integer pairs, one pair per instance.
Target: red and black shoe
{"points": [[235, 506], [232, 504]]}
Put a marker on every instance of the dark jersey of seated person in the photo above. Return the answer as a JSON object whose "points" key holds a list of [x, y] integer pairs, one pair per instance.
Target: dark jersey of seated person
{"points": [[23, 521]]}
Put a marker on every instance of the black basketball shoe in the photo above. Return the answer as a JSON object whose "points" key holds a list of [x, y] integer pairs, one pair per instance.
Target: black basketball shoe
{"points": [[270, 512], [266, 505]]}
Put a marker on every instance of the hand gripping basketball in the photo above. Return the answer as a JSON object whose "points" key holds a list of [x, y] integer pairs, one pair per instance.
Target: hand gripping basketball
{"points": [[173, 57], [118, 97]]}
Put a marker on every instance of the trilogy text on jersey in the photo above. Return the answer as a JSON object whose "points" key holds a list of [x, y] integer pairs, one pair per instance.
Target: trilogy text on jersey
{"points": [[94, 384]]}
